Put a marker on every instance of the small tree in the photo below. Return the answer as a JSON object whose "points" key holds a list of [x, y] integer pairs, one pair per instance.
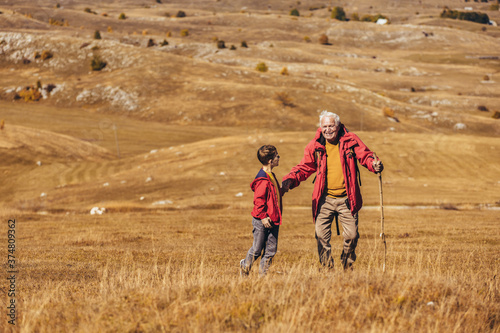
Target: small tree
{"points": [[294, 12], [244, 44], [180, 13], [97, 34], [184, 32], [122, 16], [338, 13]]}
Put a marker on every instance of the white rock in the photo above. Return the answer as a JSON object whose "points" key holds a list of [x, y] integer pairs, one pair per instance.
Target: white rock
{"points": [[97, 211], [239, 194]]}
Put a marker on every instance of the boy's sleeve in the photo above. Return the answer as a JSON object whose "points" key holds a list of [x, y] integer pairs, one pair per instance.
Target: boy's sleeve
{"points": [[260, 200]]}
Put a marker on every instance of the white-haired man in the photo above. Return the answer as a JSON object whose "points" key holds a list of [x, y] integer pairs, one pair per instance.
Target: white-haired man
{"points": [[332, 155]]}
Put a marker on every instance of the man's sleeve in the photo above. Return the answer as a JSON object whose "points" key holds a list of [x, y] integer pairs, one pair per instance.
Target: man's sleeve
{"points": [[364, 155], [304, 169]]}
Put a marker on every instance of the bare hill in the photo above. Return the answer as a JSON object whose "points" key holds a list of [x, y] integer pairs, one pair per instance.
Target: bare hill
{"points": [[168, 115]]}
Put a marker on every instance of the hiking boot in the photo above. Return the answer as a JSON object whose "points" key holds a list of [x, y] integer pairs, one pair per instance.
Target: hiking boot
{"points": [[243, 271]]}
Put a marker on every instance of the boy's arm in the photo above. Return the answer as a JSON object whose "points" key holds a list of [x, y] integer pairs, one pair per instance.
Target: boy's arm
{"points": [[260, 200]]}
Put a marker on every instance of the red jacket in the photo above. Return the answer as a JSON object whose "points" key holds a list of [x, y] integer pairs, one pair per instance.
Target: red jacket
{"points": [[350, 146], [264, 199]]}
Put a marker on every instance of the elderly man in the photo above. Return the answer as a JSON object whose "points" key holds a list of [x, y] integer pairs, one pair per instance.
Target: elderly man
{"points": [[332, 154]]}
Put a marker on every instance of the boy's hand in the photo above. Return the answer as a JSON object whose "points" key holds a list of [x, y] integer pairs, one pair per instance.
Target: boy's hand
{"points": [[267, 223], [286, 185]]}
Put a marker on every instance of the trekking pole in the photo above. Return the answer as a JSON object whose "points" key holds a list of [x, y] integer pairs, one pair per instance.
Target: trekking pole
{"points": [[382, 233]]}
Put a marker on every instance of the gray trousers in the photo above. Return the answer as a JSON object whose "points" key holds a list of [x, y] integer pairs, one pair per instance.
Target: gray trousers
{"points": [[327, 209], [265, 243]]}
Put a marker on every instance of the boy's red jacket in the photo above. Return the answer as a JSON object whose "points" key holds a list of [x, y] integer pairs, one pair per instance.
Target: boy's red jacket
{"points": [[351, 148], [265, 203]]}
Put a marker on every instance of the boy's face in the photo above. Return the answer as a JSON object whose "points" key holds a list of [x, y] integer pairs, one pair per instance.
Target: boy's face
{"points": [[275, 161]]}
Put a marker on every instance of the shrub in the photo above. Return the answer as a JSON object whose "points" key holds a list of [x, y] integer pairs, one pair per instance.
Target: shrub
{"points": [[323, 39], [97, 34], [495, 7], [110, 30], [284, 100], [284, 71], [90, 11], [180, 13], [164, 43], [184, 32], [122, 16], [338, 13], [151, 42], [61, 23], [232, 47], [307, 39], [496, 115], [294, 12], [46, 55], [355, 17], [482, 108], [97, 63], [244, 44], [262, 67], [221, 44], [388, 112], [30, 93], [373, 18], [467, 16]]}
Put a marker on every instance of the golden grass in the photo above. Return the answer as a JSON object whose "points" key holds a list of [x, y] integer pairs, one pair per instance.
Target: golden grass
{"points": [[177, 271]]}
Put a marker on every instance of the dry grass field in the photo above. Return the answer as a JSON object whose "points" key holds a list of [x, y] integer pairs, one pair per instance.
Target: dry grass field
{"points": [[164, 138]]}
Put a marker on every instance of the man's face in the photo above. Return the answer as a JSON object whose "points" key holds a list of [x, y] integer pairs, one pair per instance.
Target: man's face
{"points": [[329, 128]]}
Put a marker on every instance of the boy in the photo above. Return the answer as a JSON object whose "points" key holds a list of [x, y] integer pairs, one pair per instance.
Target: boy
{"points": [[266, 212]]}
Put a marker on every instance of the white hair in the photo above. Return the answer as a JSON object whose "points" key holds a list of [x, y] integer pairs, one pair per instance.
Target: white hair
{"points": [[328, 114]]}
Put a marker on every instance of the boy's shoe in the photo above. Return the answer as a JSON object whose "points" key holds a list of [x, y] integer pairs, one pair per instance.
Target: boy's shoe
{"points": [[243, 270]]}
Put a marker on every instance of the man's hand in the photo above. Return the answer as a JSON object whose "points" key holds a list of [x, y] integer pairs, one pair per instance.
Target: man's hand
{"points": [[267, 223], [285, 186], [378, 166]]}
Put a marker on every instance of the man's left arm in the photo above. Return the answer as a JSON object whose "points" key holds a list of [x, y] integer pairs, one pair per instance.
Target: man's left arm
{"points": [[366, 158]]}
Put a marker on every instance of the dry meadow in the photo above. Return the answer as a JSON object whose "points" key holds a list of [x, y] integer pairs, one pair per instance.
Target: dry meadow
{"points": [[164, 135]]}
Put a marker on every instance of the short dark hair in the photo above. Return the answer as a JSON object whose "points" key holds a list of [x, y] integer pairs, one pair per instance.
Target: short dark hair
{"points": [[266, 153]]}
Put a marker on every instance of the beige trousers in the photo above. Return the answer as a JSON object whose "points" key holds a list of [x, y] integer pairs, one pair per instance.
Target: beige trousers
{"points": [[327, 209]]}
